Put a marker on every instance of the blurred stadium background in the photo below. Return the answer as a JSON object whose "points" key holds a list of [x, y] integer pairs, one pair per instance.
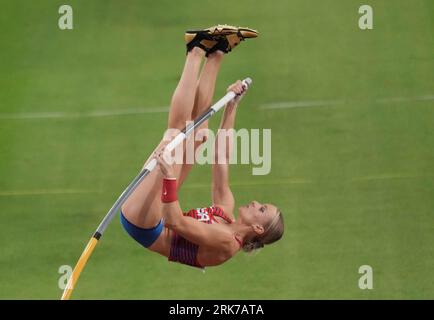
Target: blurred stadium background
{"points": [[352, 122]]}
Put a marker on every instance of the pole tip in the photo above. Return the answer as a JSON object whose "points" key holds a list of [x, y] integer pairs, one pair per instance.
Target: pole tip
{"points": [[247, 82]]}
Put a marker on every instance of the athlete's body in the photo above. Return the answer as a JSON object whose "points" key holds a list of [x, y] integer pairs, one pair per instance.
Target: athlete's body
{"points": [[161, 226]]}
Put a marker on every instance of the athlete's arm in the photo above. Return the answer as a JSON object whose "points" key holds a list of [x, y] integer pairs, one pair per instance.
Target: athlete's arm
{"points": [[195, 231], [202, 234], [221, 192]]}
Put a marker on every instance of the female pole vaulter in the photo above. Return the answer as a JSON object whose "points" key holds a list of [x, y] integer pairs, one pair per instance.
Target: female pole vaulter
{"points": [[211, 235]]}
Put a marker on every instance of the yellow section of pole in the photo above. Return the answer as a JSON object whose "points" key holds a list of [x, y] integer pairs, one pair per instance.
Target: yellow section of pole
{"points": [[78, 268]]}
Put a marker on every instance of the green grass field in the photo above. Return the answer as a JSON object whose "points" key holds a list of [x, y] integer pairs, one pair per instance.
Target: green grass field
{"points": [[354, 175]]}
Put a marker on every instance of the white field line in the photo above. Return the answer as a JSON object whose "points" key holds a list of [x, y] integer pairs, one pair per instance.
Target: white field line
{"points": [[403, 99], [91, 114], [387, 177], [38, 192], [247, 183], [136, 111], [325, 103], [379, 177], [300, 104], [185, 186]]}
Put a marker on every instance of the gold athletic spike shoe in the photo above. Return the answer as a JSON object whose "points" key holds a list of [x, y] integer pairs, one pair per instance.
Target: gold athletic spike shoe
{"points": [[221, 37], [233, 39]]}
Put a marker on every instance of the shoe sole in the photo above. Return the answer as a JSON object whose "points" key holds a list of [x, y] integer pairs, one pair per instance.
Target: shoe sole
{"points": [[228, 29], [215, 32]]}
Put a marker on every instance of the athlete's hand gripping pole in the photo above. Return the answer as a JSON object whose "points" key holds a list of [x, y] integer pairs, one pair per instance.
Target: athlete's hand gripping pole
{"points": [[197, 122]]}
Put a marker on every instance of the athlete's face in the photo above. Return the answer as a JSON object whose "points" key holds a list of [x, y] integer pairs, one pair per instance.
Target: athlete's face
{"points": [[257, 214]]}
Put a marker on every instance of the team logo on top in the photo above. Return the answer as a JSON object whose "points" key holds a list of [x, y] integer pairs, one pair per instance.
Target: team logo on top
{"points": [[202, 214]]}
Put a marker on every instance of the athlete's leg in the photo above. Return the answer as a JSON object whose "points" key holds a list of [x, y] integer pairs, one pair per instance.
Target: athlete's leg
{"points": [[204, 97], [143, 207], [203, 100], [185, 93]]}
